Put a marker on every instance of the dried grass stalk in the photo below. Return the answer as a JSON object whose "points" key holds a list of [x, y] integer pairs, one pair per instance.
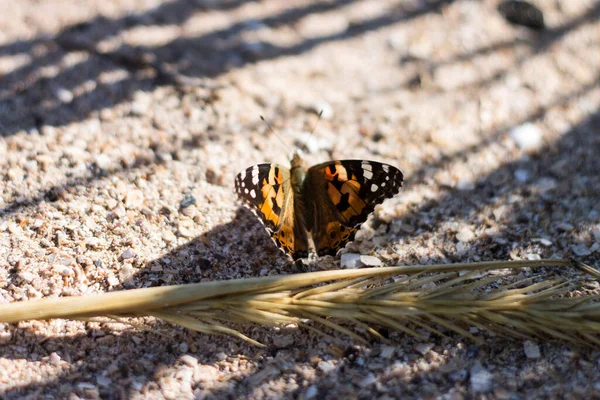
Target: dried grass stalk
{"points": [[403, 298]]}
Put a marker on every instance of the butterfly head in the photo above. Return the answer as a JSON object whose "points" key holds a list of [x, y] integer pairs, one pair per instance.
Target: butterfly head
{"points": [[297, 160]]}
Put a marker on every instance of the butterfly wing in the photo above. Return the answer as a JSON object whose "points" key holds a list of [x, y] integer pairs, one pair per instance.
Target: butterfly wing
{"points": [[266, 190], [344, 194]]}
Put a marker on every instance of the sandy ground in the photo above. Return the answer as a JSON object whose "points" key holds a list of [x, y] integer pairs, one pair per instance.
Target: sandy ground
{"points": [[123, 124]]}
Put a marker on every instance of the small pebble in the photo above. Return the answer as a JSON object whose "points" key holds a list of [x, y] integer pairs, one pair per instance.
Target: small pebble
{"points": [[581, 250], [424, 348], [350, 260], [527, 136], [92, 242], [63, 95], [184, 231], [168, 236], [64, 271], [311, 392], [189, 360], [406, 228], [370, 261], [134, 199], [387, 351], [460, 249], [533, 257], [367, 381], [564, 227], [27, 276], [103, 161], [187, 201], [322, 107], [596, 235], [499, 212], [253, 49], [546, 184], [542, 241], [465, 235], [532, 350], [54, 359], [522, 175], [104, 381], [481, 379], [254, 25], [326, 366], [86, 386], [127, 254], [282, 341]]}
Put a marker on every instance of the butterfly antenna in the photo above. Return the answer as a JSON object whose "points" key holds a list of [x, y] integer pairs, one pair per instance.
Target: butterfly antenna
{"points": [[274, 133], [313, 129]]}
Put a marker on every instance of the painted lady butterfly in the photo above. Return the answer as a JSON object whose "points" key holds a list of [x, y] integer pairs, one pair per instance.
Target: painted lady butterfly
{"points": [[330, 200]]}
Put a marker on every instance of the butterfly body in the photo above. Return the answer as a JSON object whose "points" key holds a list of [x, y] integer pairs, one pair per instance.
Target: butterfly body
{"points": [[326, 203]]}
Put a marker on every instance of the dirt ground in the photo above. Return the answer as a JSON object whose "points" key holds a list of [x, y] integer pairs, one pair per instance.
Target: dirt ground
{"points": [[123, 124]]}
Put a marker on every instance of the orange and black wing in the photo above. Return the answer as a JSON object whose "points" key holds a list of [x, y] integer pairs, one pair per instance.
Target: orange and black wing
{"points": [[344, 194], [266, 190]]}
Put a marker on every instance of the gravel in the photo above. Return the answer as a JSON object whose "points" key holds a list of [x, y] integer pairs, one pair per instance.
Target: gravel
{"points": [[122, 125]]}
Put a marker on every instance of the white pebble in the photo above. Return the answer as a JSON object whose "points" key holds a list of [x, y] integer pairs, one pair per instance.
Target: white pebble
{"points": [[544, 242], [168, 236], [184, 231], [527, 136], [465, 235], [27, 276], [350, 260], [103, 161], [533, 257], [532, 350], [326, 366], [54, 359], [63, 95], [134, 199], [481, 379], [64, 271], [189, 360], [370, 261], [321, 106], [92, 242]]}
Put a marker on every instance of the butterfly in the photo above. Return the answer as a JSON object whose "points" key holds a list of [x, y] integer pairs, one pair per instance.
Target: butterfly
{"points": [[328, 201]]}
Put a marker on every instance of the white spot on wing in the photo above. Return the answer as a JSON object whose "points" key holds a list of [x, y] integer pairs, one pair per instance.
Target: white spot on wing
{"points": [[374, 187], [367, 166], [246, 190], [253, 194], [386, 168], [255, 175], [367, 173]]}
